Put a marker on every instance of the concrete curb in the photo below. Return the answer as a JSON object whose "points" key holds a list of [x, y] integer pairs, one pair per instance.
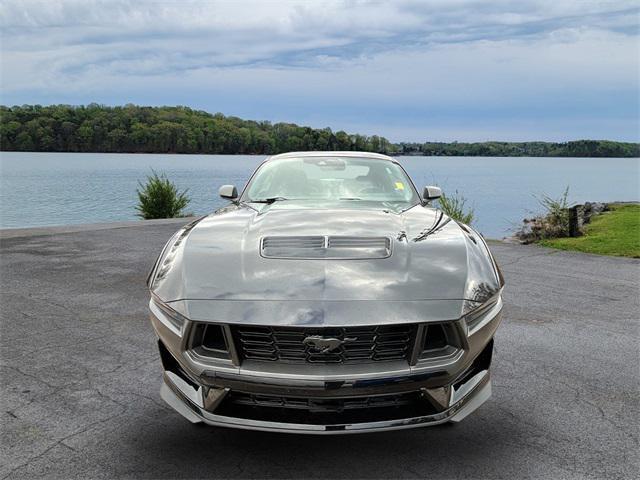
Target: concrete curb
{"points": [[87, 227], [7, 233]]}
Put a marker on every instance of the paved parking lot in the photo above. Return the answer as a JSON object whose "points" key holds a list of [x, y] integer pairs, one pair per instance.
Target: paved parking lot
{"points": [[80, 377]]}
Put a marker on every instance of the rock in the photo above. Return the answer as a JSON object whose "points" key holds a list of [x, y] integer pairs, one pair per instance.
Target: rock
{"points": [[547, 226], [589, 209]]}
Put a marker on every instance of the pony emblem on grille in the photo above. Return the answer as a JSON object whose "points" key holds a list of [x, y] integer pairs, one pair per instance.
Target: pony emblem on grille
{"points": [[326, 345]]}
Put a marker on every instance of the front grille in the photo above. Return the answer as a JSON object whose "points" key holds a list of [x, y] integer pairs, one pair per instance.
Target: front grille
{"points": [[325, 345]]}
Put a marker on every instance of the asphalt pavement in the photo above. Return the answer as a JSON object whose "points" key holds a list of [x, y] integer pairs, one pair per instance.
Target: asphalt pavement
{"points": [[80, 376]]}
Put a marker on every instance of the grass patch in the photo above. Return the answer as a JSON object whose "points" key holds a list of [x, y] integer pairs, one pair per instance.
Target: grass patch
{"points": [[616, 232]]}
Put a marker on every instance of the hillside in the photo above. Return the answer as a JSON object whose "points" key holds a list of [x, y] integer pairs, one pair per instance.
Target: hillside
{"points": [[138, 129]]}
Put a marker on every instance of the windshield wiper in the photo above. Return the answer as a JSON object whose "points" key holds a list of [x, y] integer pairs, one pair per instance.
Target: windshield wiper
{"points": [[349, 198], [269, 200]]}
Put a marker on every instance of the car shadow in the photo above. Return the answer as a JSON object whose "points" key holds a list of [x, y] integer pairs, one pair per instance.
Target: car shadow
{"points": [[182, 450]]}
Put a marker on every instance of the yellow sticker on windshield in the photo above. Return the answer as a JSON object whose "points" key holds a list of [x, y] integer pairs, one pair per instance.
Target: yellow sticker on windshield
{"points": [[399, 186]]}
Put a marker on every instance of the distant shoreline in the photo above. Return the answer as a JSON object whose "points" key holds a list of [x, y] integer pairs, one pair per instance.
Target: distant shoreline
{"points": [[167, 130], [264, 155]]}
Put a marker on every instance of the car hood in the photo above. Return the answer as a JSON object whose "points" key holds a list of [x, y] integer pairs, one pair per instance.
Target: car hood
{"points": [[219, 259]]}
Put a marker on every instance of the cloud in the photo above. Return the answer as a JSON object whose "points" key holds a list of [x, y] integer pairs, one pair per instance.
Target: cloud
{"points": [[413, 64]]}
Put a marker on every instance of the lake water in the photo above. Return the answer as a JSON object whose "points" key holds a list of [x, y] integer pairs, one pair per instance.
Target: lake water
{"points": [[38, 189]]}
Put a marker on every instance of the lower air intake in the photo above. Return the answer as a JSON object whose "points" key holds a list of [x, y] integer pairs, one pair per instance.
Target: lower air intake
{"points": [[324, 411]]}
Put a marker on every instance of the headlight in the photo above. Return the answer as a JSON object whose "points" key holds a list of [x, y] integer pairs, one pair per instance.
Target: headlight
{"points": [[483, 314], [173, 320], [161, 258], [169, 255]]}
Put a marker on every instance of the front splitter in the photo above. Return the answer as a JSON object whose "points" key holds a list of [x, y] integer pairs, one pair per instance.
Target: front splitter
{"points": [[481, 392]]}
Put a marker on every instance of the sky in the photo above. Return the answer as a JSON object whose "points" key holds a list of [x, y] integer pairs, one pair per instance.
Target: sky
{"points": [[409, 70]]}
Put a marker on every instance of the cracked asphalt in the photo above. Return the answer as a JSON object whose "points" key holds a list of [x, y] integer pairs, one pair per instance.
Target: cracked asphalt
{"points": [[80, 376]]}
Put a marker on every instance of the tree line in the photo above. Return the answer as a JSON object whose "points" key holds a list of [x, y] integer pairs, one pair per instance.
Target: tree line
{"points": [[137, 129], [577, 148]]}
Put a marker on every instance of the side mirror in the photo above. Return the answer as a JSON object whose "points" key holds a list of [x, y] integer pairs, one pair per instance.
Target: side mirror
{"points": [[229, 192], [431, 193]]}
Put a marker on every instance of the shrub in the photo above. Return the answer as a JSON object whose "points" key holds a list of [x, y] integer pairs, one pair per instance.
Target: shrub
{"points": [[160, 198], [557, 213], [552, 223], [454, 206]]}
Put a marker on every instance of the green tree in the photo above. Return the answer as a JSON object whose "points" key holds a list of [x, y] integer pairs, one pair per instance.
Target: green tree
{"points": [[160, 198], [132, 128]]}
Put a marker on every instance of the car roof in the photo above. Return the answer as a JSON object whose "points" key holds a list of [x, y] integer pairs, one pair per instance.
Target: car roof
{"points": [[379, 156]]}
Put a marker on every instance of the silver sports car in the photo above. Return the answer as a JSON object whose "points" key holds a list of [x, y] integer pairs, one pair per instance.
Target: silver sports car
{"points": [[328, 297]]}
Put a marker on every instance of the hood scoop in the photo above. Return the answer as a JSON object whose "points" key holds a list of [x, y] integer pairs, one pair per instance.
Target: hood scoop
{"points": [[326, 247]]}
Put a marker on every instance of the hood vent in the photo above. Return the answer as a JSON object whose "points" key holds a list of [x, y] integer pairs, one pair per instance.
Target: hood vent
{"points": [[326, 247]]}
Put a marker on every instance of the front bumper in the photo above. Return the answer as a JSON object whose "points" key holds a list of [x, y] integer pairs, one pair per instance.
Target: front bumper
{"points": [[183, 398], [442, 391]]}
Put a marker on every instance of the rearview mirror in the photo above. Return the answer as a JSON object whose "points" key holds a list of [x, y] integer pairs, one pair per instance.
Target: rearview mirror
{"points": [[230, 192], [431, 193]]}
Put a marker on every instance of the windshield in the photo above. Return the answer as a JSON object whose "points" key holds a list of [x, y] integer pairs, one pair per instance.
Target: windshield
{"points": [[331, 179]]}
